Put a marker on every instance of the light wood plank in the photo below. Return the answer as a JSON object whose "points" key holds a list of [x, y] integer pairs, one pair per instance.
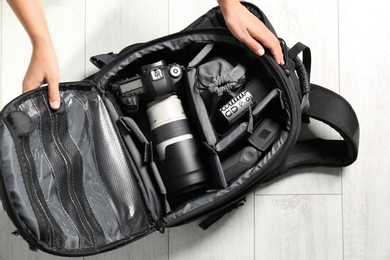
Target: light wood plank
{"points": [[232, 237], [364, 63], [154, 246], [319, 180], [182, 13], [113, 26], [66, 21], [16, 51], [298, 227], [315, 24], [62, 20]]}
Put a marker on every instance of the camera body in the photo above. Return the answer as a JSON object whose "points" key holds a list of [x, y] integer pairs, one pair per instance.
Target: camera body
{"points": [[157, 80]]}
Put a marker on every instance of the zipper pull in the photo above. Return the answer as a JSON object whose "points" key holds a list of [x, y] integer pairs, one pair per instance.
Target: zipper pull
{"points": [[283, 45], [32, 248], [16, 233], [160, 227]]}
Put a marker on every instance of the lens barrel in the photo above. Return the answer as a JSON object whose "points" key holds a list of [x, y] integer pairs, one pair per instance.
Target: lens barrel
{"points": [[184, 171], [168, 123]]}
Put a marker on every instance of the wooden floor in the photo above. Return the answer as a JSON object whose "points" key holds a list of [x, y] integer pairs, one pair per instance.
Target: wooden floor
{"points": [[311, 214]]}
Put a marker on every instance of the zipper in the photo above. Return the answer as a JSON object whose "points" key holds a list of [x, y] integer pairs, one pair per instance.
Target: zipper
{"points": [[5, 199], [106, 71], [15, 219], [175, 36]]}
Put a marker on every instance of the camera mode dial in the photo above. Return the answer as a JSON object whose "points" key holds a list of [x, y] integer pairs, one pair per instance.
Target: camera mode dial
{"points": [[175, 71]]}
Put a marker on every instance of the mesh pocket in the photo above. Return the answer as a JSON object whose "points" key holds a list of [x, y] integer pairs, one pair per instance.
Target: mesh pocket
{"points": [[82, 190]]}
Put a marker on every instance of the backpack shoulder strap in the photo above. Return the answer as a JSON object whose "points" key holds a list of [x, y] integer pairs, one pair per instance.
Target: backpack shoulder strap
{"points": [[335, 111]]}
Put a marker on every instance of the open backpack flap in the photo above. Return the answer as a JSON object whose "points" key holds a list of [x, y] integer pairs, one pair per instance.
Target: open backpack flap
{"points": [[166, 132]]}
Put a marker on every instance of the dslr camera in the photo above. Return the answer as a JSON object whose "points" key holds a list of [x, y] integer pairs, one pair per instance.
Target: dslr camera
{"points": [[157, 80], [181, 162]]}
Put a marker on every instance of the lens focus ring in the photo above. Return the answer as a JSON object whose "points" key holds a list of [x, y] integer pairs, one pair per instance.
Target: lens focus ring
{"points": [[171, 130]]}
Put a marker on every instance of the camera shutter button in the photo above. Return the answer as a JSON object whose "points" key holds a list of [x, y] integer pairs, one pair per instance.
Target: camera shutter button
{"points": [[175, 71]]}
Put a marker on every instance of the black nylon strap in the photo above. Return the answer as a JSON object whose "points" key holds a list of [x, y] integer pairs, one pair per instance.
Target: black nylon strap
{"points": [[102, 59], [298, 48], [334, 110]]}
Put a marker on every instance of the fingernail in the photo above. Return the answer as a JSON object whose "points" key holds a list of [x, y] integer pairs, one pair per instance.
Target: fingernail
{"points": [[55, 104], [260, 52]]}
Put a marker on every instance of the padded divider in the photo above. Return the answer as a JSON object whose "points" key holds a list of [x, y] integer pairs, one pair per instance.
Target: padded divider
{"points": [[199, 116], [154, 187], [198, 109], [217, 176]]}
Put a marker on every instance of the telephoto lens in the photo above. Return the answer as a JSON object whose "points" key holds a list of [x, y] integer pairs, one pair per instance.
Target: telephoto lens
{"points": [[184, 173]]}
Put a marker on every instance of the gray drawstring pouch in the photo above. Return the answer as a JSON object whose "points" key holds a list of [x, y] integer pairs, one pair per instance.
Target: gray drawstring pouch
{"points": [[218, 77]]}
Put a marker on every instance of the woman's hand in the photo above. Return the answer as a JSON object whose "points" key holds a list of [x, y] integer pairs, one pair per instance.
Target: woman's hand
{"points": [[43, 66], [248, 29]]}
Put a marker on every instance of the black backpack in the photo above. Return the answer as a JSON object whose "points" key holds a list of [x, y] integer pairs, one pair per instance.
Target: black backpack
{"points": [[166, 132]]}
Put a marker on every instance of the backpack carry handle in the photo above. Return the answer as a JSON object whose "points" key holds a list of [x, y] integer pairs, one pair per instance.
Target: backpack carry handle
{"points": [[302, 68]]}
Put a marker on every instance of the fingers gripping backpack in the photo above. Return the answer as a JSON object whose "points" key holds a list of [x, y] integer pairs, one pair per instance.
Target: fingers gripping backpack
{"points": [[166, 132]]}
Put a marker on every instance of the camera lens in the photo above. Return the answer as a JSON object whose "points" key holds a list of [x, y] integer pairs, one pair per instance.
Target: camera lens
{"points": [[184, 171], [168, 123]]}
